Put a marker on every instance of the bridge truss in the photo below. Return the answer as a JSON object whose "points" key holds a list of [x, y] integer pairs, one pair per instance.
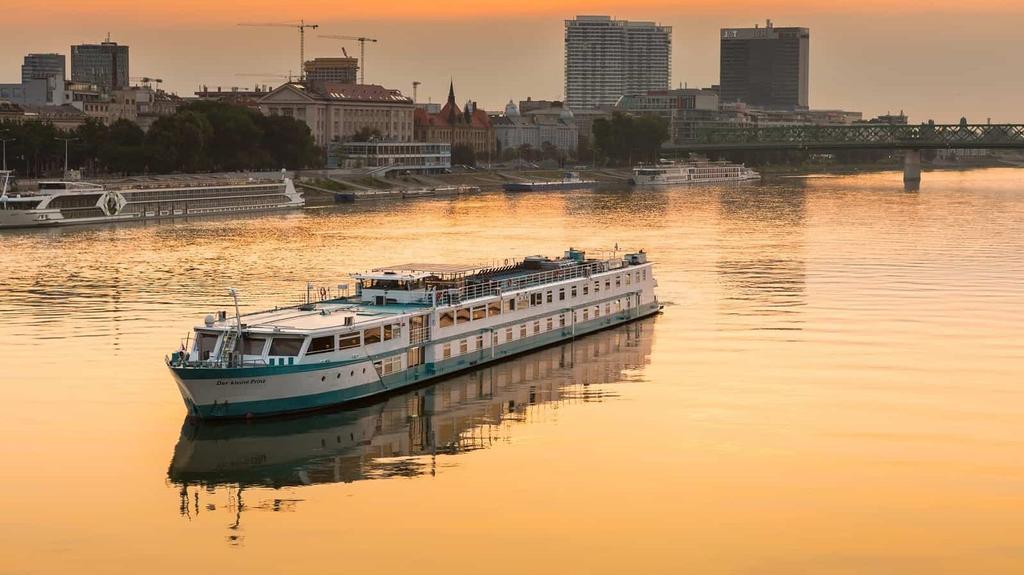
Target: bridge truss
{"points": [[856, 137]]}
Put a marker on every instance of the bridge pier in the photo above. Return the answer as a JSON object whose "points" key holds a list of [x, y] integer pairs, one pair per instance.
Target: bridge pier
{"points": [[912, 167]]}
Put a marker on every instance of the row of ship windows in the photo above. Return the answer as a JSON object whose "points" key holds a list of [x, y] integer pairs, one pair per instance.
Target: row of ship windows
{"points": [[200, 193], [473, 313], [292, 345], [525, 330]]}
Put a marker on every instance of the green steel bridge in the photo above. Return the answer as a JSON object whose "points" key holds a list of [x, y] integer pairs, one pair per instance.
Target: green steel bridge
{"points": [[913, 139]]}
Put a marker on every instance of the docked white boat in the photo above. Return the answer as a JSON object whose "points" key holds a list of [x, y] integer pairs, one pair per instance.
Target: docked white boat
{"points": [[404, 325], [691, 172], [69, 202]]}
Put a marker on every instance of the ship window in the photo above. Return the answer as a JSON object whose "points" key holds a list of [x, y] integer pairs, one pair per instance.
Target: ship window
{"points": [[389, 332], [479, 312], [446, 351], [371, 335], [586, 289], [561, 320], [508, 334], [522, 331], [549, 296], [348, 341], [608, 284], [479, 342], [446, 319], [597, 286], [494, 308], [463, 346], [536, 298], [644, 274], [321, 345], [462, 315], [285, 345], [510, 304], [561, 294], [618, 281], [629, 279], [573, 292], [551, 324], [253, 345], [536, 326], [207, 343], [586, 313], [607, 308], [414, 357]]}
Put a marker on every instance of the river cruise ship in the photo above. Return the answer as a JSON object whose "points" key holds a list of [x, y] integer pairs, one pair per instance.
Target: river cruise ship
{"points": [[691, 172], [404, 325], [69, 202], [569, 181]]}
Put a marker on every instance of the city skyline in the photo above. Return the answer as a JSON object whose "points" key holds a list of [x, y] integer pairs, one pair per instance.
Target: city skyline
{"points": [[875, 70]]}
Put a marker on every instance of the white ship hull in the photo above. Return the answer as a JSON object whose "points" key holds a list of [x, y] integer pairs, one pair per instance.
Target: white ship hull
{"points": [[692, 173], [415, 342], [93, 204]]}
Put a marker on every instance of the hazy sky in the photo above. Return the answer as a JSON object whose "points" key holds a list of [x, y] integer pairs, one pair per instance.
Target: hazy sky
{"points": [[939, 59]]}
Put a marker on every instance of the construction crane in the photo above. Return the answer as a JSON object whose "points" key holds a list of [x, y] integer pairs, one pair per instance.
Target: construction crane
{"points": [[301, 25], [269, 75], [362, 51], [146, 80]]}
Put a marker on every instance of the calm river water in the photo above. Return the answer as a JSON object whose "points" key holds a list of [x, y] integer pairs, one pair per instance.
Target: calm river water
{"points": [[836, 385]]}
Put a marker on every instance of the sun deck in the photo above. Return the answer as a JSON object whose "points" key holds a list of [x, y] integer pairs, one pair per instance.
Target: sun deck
{"points": [[325, 315]]}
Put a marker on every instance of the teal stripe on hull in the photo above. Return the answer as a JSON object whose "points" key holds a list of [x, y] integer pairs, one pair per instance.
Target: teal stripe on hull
{"points": [[418, 375]]}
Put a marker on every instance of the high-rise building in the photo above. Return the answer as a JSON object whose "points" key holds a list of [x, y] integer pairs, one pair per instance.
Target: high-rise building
{"points": [[605, 59], [332, 70], [104, 64], [765, 67], [38, 66], [42, 81]]}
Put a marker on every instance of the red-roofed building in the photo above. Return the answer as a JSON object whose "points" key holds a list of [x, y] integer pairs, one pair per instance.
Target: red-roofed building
{"points": [[470, 126]]}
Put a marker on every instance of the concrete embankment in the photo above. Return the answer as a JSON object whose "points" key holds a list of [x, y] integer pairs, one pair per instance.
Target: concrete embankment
{"points": [[322, 188]]}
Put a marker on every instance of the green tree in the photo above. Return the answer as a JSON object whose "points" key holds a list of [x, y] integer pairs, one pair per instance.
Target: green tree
{"points": [[365, 134], [463, 154], [289, 144], [625, 139], [123, 150]]}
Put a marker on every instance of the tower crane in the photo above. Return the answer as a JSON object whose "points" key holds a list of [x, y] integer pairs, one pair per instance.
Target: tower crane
{"points": [[362, 51], [301, 25]]}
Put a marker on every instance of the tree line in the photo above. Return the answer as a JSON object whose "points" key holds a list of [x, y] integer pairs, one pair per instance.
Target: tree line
{"points": [[199, 137], [625, 140]]}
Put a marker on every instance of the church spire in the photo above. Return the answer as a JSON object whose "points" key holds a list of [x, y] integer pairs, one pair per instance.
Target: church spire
{"points": [[452, 106]]}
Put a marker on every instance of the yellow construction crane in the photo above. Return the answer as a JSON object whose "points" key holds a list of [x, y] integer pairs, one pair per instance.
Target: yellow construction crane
{"points": [[301, 25], [362, 51]]}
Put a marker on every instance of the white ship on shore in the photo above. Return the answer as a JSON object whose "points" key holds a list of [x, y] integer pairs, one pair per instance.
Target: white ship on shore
{"points": [[404, 325], [694, 171], [70, 202]]}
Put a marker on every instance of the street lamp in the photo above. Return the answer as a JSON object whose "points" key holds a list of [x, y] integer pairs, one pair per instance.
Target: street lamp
{"points": [[5, 140], [66, 140]]}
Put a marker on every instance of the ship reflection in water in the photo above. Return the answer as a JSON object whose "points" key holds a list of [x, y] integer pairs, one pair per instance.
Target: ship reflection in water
{"points": [[402, 436]]}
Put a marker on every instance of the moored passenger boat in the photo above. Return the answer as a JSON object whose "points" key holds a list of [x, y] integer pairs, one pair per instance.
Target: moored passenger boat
{"points": [[570, 181], [404, 325], [695, 171], [70, 202]]}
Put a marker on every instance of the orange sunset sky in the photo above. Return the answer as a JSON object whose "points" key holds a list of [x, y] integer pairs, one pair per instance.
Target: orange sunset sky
{"points": [[938, 59]]}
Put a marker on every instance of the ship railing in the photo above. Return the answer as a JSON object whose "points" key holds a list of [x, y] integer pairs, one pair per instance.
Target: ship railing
{"points": [[495, 287], [178, 361], [419, 335]]}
